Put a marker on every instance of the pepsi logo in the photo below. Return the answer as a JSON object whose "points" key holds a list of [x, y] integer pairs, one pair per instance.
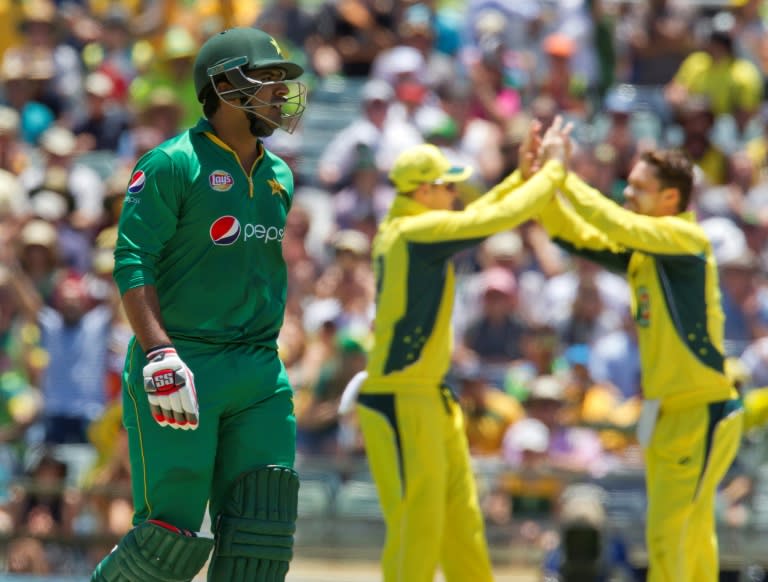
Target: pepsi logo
{"points": [[137, 182], [221, 181], [225, 231]]}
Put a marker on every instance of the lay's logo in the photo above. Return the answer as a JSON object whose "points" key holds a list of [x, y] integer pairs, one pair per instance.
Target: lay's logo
{"points": [[221, 181]]}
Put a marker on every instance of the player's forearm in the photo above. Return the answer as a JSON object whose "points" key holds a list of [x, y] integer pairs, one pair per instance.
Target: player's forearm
{"points": [[142, 307]]}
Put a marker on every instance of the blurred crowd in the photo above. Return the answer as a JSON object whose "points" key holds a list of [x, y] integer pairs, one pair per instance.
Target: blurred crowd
{"points": [[545, 362]]}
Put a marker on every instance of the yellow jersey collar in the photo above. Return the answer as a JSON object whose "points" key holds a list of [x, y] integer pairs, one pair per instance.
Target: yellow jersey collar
{"points": [[405, 206]]}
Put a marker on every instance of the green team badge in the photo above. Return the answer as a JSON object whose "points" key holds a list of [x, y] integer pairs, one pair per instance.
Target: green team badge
{"points": [[643, 313]]}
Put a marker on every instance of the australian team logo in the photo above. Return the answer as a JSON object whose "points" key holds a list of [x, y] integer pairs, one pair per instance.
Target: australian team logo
{"points": [[225, 230], [137, 182], [221, 181]]}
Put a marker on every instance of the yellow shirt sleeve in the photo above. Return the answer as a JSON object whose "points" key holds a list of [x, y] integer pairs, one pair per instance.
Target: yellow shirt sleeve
{"points": [[748, 85], [498, 192], [667, 235], [482, 220]]}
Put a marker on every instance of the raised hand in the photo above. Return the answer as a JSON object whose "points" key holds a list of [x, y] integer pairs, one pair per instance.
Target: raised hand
{"points": [[529, 151], [556, 143]]}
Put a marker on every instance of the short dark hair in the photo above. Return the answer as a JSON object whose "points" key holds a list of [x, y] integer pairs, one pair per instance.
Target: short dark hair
{"points": [[674, 169]]}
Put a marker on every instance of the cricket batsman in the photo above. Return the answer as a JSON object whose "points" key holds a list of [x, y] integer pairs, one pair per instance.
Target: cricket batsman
{"points": [[207, 404], [411, 423], [691, 421]]}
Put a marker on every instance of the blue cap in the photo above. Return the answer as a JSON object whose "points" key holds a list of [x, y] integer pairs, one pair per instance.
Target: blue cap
{"points": [[577, 354]]}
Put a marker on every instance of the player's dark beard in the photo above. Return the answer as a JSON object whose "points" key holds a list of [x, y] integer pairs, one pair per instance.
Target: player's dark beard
{"points": [[258, 127]]}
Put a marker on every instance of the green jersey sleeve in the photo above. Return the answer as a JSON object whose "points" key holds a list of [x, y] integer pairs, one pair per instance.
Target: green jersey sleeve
{"points": [[148, 220]]}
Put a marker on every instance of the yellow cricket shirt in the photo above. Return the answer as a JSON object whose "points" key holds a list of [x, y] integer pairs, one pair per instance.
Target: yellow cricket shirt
{"points": [[675, 292], [729, 84], [415, 277]]}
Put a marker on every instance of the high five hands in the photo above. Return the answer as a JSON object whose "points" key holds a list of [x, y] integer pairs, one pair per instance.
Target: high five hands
{"points": [[536, 150]]}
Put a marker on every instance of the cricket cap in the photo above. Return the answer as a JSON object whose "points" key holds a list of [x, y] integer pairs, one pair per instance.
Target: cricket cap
{"points": [[425, 164]]}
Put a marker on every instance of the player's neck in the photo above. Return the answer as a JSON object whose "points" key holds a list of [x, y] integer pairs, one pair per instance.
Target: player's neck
{"points": [[239, 138]]}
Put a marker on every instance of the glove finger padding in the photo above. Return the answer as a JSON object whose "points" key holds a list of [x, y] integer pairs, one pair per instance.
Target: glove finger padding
{"points": [[156, 409]]}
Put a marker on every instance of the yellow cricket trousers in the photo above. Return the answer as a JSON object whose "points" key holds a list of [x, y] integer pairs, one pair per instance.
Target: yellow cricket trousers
{"points": [[688, 455], [418, 455]]}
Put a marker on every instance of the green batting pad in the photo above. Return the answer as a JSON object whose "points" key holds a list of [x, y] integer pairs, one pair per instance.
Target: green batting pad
{"points": [[152, 553], [254, 531]]}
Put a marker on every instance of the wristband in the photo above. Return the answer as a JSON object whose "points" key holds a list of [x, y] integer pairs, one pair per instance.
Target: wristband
{"points": [[153, 351]]}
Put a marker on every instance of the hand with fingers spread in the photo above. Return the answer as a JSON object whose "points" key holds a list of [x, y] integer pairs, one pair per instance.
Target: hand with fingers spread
{"points": [[556, 143], [170, 388], [529, 151]]}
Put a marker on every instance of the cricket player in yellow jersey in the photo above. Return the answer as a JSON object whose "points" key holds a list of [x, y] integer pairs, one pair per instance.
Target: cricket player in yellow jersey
{"points": [[691, 423], [411, 423]]}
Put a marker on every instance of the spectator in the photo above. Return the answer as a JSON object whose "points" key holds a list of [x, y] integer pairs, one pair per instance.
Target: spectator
{"points": [[589, 320], [357, 31], [494, 339], [658, 37], [348, 280], [697, 119], [374, 129], [573, 449], [13, 153], [732, 85], [26, 555], [317, 418], [588, 549], [614, 359], [38, 256], [488, 411], [366, 199], [59, 148], [102, 123], [560, 82], [75, 333]]}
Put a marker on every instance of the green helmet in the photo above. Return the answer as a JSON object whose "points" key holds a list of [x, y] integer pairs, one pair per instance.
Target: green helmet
{"points": [[251, 47]]}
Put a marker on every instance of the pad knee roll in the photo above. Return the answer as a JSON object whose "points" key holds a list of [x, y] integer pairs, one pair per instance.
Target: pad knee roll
{"points": [[254, 531], [154, 552]]}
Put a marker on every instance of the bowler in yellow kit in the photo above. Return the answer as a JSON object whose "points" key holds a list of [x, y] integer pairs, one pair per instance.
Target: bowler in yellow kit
{"points": [[412, 425], [691, 423]]}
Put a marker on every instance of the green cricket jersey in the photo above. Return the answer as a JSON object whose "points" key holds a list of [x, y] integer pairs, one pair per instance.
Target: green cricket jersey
{"points": [[669, 264], [208, 234]]}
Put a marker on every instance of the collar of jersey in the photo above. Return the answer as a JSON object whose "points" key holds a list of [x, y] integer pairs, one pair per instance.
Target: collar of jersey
{"points": [[688, 216], [405, 206], [204, 127]]}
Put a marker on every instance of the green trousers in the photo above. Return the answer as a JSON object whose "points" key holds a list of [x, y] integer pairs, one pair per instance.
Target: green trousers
{"points": [[246, 421]]}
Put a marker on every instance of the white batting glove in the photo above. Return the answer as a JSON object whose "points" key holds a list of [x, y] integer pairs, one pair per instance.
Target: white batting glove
{"points": [[170, 388]]}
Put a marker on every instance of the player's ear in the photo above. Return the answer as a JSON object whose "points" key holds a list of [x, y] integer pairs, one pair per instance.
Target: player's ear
{"points": [[671, 199]]}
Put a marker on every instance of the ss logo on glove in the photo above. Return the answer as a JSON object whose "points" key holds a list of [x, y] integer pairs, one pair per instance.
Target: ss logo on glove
{"points": [[164, 379], [170, 388]]}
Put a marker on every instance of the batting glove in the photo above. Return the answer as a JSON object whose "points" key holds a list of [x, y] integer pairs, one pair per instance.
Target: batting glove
{"points": [[170, 388]]}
